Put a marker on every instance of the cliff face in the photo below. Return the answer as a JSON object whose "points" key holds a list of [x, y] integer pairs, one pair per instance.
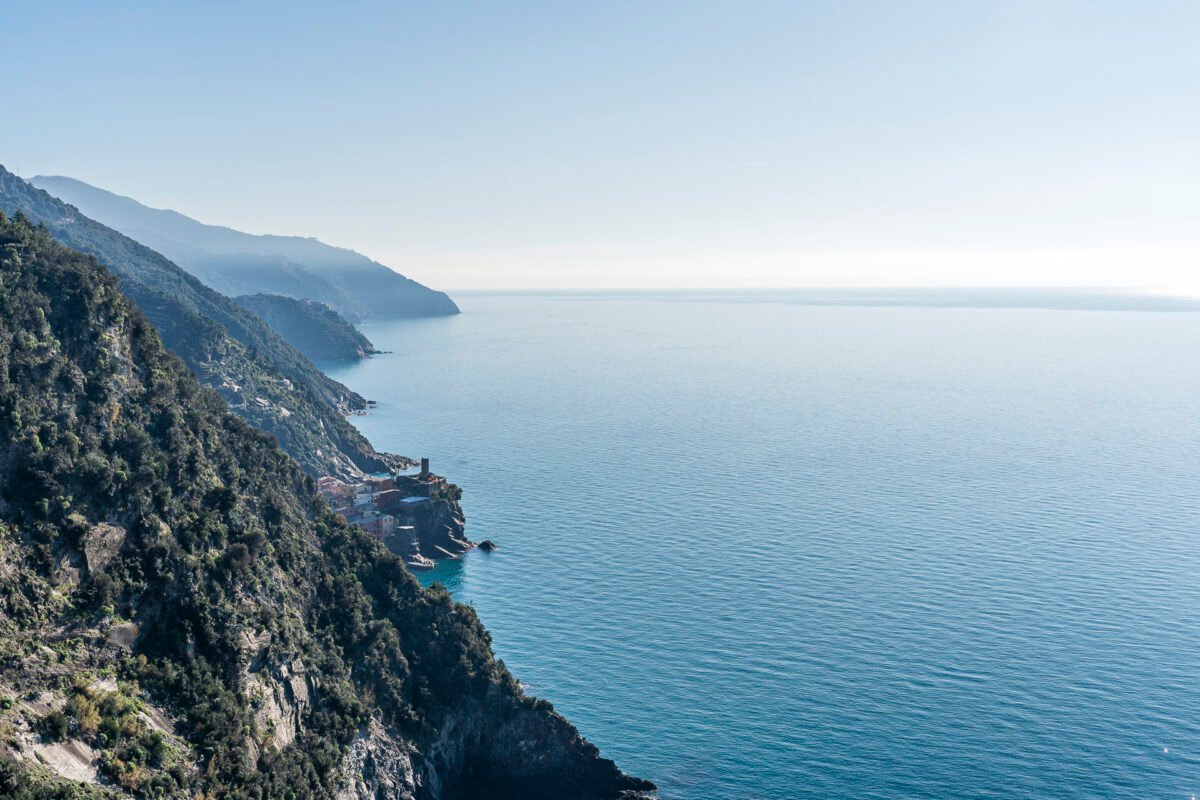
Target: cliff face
{"points": [[442, 529], [485, 751], [428, 533], [181, 616]]}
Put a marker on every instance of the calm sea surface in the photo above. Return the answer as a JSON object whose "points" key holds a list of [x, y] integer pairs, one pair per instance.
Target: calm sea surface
{"points": [[764, 550]]}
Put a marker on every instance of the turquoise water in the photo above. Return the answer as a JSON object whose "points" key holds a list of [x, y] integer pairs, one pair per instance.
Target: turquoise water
{"points": [[764, 550]]}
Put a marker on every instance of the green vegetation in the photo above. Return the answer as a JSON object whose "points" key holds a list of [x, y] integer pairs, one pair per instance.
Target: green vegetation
{"points": [[263, 378], [21, 782], [130, 755], [183, 520], [315, 329]]}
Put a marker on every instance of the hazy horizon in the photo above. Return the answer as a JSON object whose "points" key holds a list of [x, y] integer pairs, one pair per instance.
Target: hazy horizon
{"points": [[645, 146]]}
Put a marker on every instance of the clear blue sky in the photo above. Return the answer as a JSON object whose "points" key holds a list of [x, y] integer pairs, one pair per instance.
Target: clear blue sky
{"points": [[642, 143]]}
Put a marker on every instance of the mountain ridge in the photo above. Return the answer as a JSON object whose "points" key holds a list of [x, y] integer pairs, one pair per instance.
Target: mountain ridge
{"points": [[313, 328], [232, 261], [263, 378]]}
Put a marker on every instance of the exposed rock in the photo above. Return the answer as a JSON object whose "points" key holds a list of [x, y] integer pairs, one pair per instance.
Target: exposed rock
{"points": [[67, 576], [40, 704], [441, 531], [378, 766], [427, 532], [157, 720], [486, 749], [104, 685], [281, 699], [254, 649], [123, 634], [487, 545], [101, 544], [73, 760]]}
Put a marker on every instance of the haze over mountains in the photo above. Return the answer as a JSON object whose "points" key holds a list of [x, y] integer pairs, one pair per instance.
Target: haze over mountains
{"points": [[265, 380], [315, 329], [237, 263]]}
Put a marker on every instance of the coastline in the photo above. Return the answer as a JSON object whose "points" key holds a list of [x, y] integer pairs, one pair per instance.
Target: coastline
{"points": [[417, 517]]}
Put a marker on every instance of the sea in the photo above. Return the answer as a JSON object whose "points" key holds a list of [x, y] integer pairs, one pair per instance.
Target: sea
{"points": [[828, 545]]}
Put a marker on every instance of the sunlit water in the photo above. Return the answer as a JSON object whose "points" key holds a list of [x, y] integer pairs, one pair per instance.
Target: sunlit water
{"points": [[758, 550]]}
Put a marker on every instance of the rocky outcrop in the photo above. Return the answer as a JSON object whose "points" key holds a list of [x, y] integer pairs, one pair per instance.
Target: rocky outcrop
{"points": [[280, 694], [428, 532], [73, 760], [101, 544], [378, 766], [486, 749], [441, 529]]}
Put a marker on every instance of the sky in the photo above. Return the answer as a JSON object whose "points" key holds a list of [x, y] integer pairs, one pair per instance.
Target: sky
{"points": [[647, 144]]}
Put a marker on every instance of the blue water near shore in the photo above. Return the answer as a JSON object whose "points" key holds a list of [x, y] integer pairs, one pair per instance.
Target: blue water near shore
{"points": [[773, 550]]}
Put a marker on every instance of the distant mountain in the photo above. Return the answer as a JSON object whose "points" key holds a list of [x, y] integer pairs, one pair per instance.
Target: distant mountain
{"points": [[244, 274], [315, 329], [263, 378], [234, 263]]}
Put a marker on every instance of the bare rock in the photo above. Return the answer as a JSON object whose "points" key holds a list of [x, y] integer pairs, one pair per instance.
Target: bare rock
{"points": [[123, 635], [101, 545], [378, 766], [72, 760]]}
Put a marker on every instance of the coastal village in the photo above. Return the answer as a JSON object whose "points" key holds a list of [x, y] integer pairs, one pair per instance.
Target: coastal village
{"points": [[416, 516]]}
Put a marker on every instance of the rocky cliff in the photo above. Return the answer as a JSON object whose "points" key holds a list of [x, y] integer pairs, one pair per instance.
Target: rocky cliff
{"points": [[181, 616], [428, 532]]}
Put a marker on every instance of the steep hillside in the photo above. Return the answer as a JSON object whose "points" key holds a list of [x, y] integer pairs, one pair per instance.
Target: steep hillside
{"points": [[315, 329], [180, 617], [224, 257], [245, 274], [264, 379]]}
